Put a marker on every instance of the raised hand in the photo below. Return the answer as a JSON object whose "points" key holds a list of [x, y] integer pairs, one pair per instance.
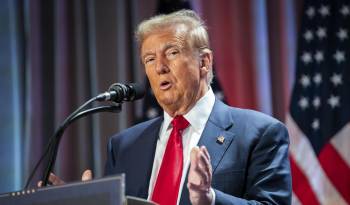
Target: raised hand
{"points": [[199, 177]]}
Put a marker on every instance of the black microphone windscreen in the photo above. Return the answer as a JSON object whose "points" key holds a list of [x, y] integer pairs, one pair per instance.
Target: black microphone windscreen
{"points": [[138, 91], [120, 92]]}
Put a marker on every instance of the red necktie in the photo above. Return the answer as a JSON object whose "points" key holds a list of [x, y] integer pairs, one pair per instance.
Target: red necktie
{"points": [[166, 189]]}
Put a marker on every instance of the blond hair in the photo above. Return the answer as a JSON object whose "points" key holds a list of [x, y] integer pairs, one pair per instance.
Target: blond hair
{"points": [[197, 34]]}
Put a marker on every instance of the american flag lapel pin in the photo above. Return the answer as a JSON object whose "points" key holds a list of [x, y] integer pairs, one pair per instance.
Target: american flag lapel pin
{"points": [[220, 139]]}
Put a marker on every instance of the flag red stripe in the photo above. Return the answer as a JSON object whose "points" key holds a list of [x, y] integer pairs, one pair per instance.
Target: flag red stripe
{"points": [[336, 169], [301, 186]]}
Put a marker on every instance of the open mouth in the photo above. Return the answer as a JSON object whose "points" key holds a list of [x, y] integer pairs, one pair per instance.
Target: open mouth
{"points": [[165, 85]]}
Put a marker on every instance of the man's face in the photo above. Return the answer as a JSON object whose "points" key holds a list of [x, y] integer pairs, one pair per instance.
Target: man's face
{"points": [[173, 70]]}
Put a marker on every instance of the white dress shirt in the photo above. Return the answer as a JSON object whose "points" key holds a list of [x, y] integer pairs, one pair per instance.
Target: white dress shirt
{"points": [[197, 117]]}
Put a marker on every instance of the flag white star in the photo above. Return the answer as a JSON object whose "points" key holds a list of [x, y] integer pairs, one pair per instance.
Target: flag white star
{"points": [[321, 32], [306, 58], [339, 56], [334, 101], [336, 79], [345, 10], [152, 113], [310, 12], [303, 103], [316, 102], [319, 56], [317, 78], [315, 124], [308, 35], [324, 10], [305, 81], [342, 34]]}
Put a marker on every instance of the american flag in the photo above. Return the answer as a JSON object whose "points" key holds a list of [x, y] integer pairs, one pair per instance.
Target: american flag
{"points": [[319, 117]]}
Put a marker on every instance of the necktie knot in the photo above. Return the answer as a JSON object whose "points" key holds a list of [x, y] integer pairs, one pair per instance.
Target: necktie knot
{"points": [[180, 123]]}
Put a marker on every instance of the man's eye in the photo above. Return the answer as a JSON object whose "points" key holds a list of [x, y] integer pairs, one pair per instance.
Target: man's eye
{"points": [[148, 60], [172, 53]]}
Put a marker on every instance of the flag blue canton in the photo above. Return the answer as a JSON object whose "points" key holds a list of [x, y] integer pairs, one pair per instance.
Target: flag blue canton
{"points": [[321, 96]]}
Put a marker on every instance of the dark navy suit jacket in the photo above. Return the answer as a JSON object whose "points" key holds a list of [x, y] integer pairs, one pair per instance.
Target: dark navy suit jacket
{"points": [[251, 166]]}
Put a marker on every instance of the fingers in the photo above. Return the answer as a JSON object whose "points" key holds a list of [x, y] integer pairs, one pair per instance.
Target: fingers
{"points": [[55, 180], [198, 188], [200, 170], [204, 161], [87, 175], [205, 151], [200, 162], [202, 153], [200, 176]]}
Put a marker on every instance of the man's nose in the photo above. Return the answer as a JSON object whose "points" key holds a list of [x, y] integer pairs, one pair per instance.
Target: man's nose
{"points": [[162, 66]]}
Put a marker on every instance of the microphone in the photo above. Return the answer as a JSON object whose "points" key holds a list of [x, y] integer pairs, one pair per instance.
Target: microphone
{"points": [[119, 93]]}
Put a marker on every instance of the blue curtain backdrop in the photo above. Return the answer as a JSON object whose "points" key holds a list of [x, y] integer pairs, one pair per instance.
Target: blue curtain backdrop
{"points": [[10, 142], [54, 55]]}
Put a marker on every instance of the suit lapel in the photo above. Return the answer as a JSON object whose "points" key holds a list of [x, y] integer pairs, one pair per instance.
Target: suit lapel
{"points": [[210, 139], [143, 153], [218, 125]]}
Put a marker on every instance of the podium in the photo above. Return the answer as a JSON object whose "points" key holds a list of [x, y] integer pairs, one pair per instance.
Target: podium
{"points": [[104, 191]]}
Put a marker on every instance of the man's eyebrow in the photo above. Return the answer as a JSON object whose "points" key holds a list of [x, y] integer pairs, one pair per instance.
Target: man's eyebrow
{"points": [[164, 48], [146, 54], [170, 45]]}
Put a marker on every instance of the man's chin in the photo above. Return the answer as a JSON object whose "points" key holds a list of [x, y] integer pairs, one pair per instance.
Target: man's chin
{"points": [[165, 98], [168, 102]]}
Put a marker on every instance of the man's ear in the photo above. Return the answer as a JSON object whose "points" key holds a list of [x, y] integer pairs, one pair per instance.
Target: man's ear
{"points": [[203, 68], [205, 64]]}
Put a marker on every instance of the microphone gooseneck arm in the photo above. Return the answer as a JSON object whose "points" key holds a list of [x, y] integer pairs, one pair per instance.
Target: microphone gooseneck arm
{"points": [[110, 108], [61, 129], [54, 141], [117, 94]]}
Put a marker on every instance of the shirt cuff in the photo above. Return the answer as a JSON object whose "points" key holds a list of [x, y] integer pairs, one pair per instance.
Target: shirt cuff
{"points": [[213, 193]]}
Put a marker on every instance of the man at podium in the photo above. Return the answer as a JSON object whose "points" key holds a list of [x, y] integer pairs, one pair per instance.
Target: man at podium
{"points": [[200, 151]]}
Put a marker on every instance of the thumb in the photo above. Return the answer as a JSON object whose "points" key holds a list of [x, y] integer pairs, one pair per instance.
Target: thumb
{"points": [[193, 156], [87, 175]]}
